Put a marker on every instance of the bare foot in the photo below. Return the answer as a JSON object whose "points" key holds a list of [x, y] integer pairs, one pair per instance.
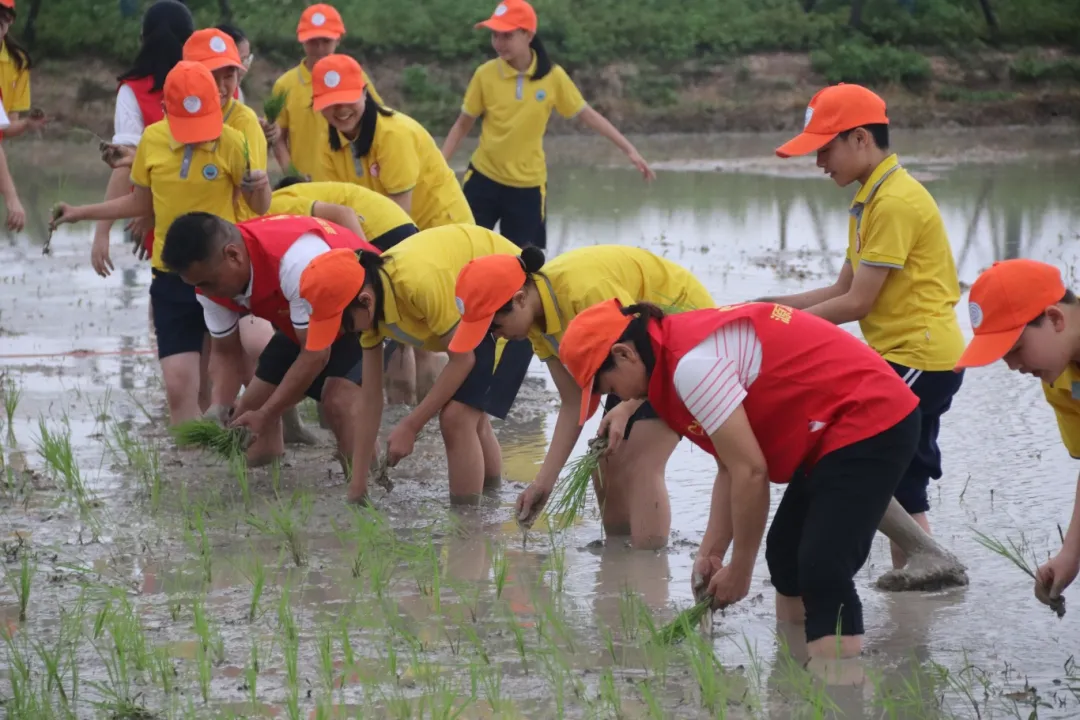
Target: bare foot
{"points": [[357, 494], [925, 572], [294, 431]]}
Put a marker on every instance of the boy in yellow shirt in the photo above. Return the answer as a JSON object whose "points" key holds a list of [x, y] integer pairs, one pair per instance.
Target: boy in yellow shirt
{"points": [[299, 132], [1022, 313], [899, 278], [185, 163]]}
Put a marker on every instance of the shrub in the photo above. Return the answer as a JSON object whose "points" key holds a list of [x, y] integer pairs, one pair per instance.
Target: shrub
{"points": [[857, 63]]}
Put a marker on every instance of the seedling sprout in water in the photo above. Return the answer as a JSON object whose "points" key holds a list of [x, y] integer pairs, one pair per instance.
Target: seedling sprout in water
{"points": [[1014, 553]]}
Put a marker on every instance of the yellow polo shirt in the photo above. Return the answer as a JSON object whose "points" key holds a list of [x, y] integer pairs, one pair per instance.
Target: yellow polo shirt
{"points": [[242, 118], [403, 156], [1064, 396], [580, 278], [377, 213], [188, 178], [516, 110], [418, 278], [14, 84], [307, 128], [913, 321]]}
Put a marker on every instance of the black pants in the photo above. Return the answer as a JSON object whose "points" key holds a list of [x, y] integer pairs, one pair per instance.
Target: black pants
{"points": [[520, 212], [645, 412], [823, 528], [935, 391], [281, 352], [179, 324]]}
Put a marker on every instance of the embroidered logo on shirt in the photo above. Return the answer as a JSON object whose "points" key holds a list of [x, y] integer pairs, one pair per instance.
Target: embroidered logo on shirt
{"points": [[976, 314], [540, 95], [694, 428], [210, 172], [781, 313]]}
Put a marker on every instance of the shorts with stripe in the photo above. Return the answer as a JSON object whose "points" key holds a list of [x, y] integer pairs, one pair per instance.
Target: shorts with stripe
{"points": [[935, 390], [520, 212]]}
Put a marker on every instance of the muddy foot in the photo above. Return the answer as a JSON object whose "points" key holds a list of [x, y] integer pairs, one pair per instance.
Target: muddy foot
{"points": [[263, 460], [294, 431], [925, 573]]}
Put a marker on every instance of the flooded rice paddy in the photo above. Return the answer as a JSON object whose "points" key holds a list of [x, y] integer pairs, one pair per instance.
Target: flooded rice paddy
{"points": [[139, 581]]}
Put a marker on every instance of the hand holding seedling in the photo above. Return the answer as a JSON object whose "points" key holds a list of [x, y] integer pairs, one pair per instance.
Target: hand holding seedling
{"points": [[400, 444], [117, 156], [613, 425], [271, 131], [61, 213], [728, 585], [219, 414], [1052, 577], [255, 421], [16, 216], [36, 119], [705, 567], [255, 180], [531, 501]]}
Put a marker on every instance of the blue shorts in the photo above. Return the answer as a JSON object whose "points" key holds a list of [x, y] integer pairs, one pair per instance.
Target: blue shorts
{"points": [[179, 324]]}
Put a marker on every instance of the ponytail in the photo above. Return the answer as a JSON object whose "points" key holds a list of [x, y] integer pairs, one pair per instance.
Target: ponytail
{"points": [[20, 57], [543, 62], [166, 26], [531, 260], [637, 334], [372, 264]]}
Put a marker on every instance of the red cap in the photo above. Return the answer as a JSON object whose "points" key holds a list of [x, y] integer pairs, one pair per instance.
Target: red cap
{"points": [[192, 105], [10, 4], [1002, 302], [836, 109], [320, 21], [585, 346], [212, 48], [336, 80], [483, 286], [329, 283], [511, 15]]}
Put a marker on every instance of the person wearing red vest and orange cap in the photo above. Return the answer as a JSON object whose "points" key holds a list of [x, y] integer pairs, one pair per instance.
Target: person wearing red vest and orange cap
{"points": [[256, 266], [1022, 313], [790, 399], [898, 279]]}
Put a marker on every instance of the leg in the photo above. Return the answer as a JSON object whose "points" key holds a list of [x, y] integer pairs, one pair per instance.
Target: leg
{"points": [[523, 221], [269, 446], [255, 335], [482, 194], [337, 390], [428, 366], [782, 551], [180, 332], [489, 445], [205, 386], [180, 374], [460, 425], [400, 374], [928, 566]]}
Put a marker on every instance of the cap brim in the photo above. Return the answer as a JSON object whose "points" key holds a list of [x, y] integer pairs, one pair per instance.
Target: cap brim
{"points": [[804, 144], [589, 402], [318, 34], [469, 335], [498, 25], [213, 64], [988, 348], [321, 334], [342, 97], [192, 131]]}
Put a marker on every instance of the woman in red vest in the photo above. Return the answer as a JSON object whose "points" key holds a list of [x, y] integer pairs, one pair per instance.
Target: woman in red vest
{"points": [[775, 395]]}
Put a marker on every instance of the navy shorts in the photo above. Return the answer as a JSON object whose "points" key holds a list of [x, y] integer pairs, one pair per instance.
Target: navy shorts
{"points": [[493, 388], [390, 238], [179, 324], [520, 212], [935, 391], [281, 352], [645, 412]]}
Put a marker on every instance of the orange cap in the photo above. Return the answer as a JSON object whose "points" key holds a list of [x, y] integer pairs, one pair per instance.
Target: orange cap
{"points": [[320, 21], [836, 109], [10, 4], [511, 15], [483, 286], [212, 48], [329, 283], [1002, 302], [587, 343], [192, 105], [336, 80]]}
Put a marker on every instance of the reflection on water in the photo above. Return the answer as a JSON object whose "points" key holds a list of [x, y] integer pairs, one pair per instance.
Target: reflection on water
{"points": [[747, 228]]}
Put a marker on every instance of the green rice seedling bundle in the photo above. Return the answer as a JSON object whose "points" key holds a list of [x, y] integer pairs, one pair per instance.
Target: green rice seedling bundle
{"points": [[677, 630], [1014, 554], [273, 105], [568, 500], [209, 435]]}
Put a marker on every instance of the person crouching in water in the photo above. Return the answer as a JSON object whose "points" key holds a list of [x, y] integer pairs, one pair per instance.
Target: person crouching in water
{"points": [[795, 400]]}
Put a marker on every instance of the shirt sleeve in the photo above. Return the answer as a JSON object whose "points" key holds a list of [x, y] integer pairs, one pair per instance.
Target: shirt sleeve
{"points": [[290, 205], [232, 149], [20, 94], [399, 163], [127, 118], [541, 347], [568, 99], [293, 263], [712, 379], [473, 104], [140, 169], [370, 339], [888, 233], [220, 320], [1067, 412]]}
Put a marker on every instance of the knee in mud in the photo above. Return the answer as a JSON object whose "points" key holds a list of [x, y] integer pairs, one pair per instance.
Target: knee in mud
{"points": [[335, 406]]}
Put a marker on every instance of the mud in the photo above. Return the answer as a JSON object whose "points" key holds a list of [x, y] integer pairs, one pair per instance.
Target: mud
{"points": [[413, 610]]}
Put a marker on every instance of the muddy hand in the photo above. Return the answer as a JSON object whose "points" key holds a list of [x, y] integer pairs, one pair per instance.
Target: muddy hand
{"points": [[382, 471], [219, 414], [400, 444], [62, 213], [530, 502], [1042, 593]]}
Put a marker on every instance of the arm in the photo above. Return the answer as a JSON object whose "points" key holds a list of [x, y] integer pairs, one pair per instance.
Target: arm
{"points": [[281, 150], [803, 300], [343, 216], [567, 431], [7, 186], [259, 197], [448, 383], [856, 303], [600, 124], [297, 380], [369, 411], [130, 205], [226, 360], [718, 531], [119, 186], [460, 130]]}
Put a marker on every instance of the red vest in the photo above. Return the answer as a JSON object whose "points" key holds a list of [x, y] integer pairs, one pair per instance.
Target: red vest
{"points": [[267, 239], [819, 388]]}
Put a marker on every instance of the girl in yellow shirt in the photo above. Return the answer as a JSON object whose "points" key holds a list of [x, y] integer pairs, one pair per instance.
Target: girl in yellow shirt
{"points": [[506, 182], [524, 297]]}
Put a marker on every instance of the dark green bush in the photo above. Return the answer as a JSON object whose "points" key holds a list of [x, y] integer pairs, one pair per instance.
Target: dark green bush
{"points": [[1028, 67], [857, 63]]}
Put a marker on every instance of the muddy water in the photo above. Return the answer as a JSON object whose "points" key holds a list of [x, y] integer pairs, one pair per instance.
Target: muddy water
{"points": [[748, 225]]}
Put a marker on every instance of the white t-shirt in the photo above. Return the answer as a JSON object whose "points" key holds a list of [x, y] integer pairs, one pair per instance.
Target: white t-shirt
{"points": [[713, 378], [5, 122], [222, 322], [127, 118]]}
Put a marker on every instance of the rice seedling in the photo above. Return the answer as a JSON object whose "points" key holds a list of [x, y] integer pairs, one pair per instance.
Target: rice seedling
{"points": [[651, 703], [164, 672], [519, 640], [199, 540], [239, 468], [256, 575], [22, 701], [226, 443], [609, 694], [325, 645], [707, 673], [251, 674], [273, 105], [500, 567], [556, 566], [678, 629], [1015, 554], [12, 395], [568, 499], [144, 459]]}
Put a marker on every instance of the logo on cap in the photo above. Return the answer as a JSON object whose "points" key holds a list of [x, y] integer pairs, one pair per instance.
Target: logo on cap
{"points": [[217, 44], [332, 79], [318, 19], [210, 172], [192, 104], [976, 314], [460, 305], [809, 116], [501, 10]]}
